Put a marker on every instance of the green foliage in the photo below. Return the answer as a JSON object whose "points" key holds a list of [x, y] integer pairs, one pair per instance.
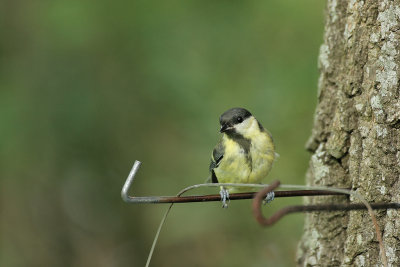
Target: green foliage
{"points": [[88, 87]]}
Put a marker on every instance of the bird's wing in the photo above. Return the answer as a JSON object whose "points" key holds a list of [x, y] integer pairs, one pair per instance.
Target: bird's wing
{"points": [[216, 157]]}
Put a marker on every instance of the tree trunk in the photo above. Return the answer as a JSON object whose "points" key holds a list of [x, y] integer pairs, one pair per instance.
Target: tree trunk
{"points": [[356, 136]]}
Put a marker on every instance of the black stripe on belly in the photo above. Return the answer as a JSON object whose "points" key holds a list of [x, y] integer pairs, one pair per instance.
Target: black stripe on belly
{"points": [[214, 178], [244, 143]]}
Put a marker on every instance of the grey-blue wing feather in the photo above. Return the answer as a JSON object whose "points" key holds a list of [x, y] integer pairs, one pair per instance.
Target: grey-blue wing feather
{"points": [[217, 155]]}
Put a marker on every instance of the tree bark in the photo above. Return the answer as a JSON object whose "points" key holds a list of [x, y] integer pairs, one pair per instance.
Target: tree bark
{"points": [[356, 135]]}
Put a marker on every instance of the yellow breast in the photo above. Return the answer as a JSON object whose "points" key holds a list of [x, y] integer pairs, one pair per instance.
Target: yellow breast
{"points": [[233, 167], [239, 167], [262, 153]]}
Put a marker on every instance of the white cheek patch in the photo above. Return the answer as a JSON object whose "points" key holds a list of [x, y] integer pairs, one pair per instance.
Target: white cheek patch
{"points": [[243, 125], [247, 125]]}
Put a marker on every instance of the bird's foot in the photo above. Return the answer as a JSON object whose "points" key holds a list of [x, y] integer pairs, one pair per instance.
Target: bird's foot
{"points": [[270, 196], [224, 193]]}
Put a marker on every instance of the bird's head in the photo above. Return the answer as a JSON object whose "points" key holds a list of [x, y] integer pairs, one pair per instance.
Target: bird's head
{"points": [[236, 120]]}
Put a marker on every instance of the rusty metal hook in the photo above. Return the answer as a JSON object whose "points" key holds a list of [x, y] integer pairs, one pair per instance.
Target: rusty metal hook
{"points": [[259, 197]]}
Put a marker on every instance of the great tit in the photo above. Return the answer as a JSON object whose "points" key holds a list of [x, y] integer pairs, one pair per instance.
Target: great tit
{"points": [[244, 154]]}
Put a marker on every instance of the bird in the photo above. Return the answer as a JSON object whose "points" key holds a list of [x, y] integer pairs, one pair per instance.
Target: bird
{"points": [[244, 154]]}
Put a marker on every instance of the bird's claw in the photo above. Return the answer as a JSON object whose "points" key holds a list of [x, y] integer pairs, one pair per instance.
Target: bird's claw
{"points": [[224, 197], [268, 199]]}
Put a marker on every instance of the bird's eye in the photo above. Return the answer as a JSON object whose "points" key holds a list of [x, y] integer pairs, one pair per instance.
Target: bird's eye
{"points": [[239, 119]]}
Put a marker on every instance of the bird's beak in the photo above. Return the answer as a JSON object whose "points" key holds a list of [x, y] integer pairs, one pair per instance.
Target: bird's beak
{"points": [[224, 128]]}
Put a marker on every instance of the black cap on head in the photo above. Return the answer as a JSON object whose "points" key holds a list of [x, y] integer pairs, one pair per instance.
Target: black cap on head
{"points": [[231, 117]]}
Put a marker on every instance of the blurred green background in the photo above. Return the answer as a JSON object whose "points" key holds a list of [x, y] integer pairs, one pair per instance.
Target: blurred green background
{"points": [[87, 87]]}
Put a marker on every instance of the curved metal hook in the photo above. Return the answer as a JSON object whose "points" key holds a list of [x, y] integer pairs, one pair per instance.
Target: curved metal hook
{"points": [[306, 208], [257, 205], [163, 199], [127, 185], [168, 199]]}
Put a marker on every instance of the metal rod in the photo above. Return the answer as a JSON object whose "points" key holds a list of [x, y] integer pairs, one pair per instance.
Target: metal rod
{"points": [[205, 198], [258, 198]]}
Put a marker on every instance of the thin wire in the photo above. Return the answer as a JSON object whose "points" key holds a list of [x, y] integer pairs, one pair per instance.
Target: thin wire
{"points": [[157, 235], [150, 256]]}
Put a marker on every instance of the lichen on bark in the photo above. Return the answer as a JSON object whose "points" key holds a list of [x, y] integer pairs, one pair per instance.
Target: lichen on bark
{"points": [[355, 139]]}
